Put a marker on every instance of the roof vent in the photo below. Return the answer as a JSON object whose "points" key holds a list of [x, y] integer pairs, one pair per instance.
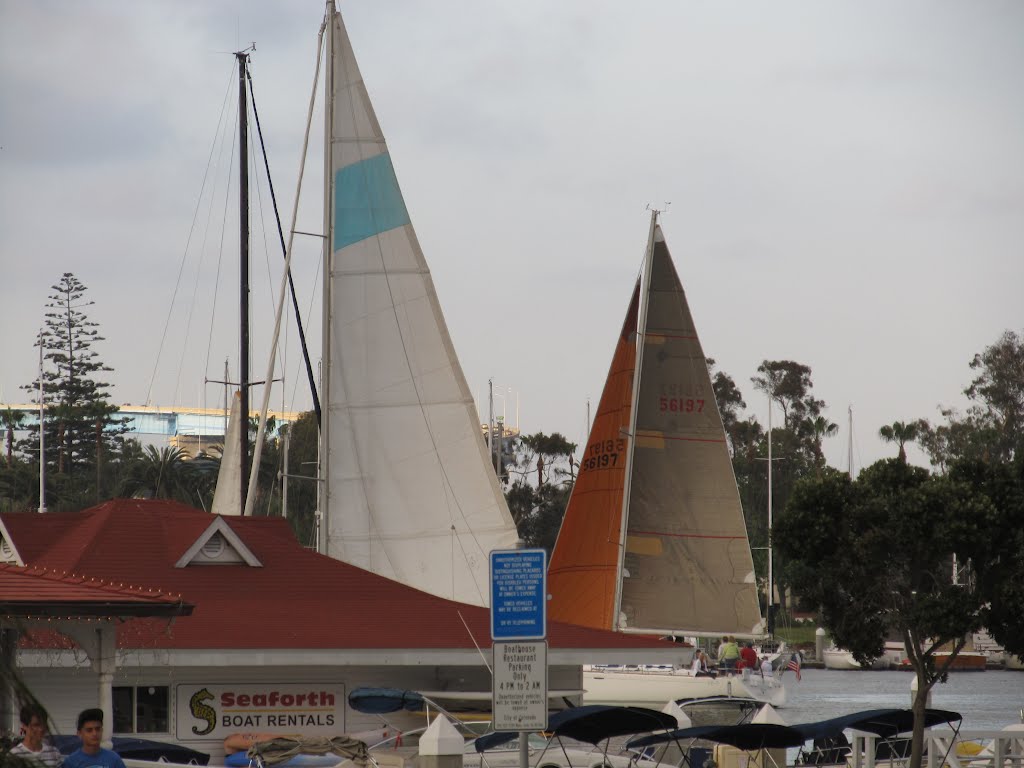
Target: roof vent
{"points": [[213, 547]]}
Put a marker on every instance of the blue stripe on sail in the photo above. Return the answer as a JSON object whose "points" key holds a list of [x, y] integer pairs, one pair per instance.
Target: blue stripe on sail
{"points": [[367, 201]]}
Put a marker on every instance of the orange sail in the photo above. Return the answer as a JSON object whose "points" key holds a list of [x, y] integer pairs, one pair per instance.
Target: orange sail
{"points": [[583, 573]]}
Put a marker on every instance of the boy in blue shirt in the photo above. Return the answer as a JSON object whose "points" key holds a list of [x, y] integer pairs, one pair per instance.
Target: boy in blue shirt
{"points": [[92, 755]]}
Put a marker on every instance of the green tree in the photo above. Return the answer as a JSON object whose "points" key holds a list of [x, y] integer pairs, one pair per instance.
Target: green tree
{"points": [[789, 384], [730, 403], [303, 441], [901, 433], [873, 555], [992, 429], [82, 428], [11, 419], [820, 429], [550, 455]]}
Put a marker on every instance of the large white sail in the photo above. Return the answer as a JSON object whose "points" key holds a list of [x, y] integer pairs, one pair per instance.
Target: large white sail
{"points": [[409, 492]]}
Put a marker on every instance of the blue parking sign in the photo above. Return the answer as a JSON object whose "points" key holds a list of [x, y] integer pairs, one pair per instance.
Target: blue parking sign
{"points": [[519, 594]]}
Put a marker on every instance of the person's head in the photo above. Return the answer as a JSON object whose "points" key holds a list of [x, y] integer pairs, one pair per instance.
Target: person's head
{"points": [[33, 725], [90, 729], [725, 638]]}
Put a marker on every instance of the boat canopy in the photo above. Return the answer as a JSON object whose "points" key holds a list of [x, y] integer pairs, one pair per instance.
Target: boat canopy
{"points": [[882, 722], [592, 724], [381, 701], [746, 736]]}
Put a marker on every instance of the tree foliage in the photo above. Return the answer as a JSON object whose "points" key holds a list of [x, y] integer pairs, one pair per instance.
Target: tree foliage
{"points": [[992, 429], [875, 556], [81, 425], [538, 497], [901, 433]]}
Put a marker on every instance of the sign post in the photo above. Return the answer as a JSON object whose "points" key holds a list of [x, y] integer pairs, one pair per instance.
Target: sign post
{"points": [[519, 696]]}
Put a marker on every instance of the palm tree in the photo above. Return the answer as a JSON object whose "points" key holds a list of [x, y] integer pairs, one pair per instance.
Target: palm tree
{"points": [[12, 419], [820, 429], [901, 433], [160, 474]]}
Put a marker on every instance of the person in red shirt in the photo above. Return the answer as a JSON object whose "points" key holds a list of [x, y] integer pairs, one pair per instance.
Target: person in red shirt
{"points": [[748, 657]]}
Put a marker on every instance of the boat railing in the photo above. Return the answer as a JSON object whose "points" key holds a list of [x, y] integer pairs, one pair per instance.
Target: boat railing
{"points": [[945, 748]]}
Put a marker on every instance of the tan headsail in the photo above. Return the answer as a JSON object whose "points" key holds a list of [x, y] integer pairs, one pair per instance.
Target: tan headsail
{"points": [[685, 565], [409, 491]]}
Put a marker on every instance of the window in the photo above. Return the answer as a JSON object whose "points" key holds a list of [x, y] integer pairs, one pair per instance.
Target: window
{"points": [[141, 708]]}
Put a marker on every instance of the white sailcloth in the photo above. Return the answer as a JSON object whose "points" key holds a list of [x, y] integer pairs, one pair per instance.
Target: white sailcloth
{"points": [[409, 491], [227, 499]]}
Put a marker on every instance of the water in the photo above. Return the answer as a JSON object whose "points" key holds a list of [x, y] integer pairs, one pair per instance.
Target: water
{"points": [[987, 700]]}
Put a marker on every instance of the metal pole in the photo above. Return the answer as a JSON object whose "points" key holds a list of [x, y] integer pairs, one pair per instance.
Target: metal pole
{"points": [[243, 242], [42, 433], [284, 480], [490, 420], [771, 575]]}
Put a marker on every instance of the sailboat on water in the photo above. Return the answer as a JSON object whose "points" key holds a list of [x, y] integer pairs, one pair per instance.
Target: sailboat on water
{"points": [[653, 540], [407, 490]]}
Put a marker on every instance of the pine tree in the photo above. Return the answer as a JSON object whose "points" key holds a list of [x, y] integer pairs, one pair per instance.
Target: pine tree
{"points": [[82, 427]]}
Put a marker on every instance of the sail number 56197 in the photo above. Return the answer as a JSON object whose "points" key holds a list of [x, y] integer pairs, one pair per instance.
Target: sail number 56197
{"points": [[680, 404], [603, 453]]}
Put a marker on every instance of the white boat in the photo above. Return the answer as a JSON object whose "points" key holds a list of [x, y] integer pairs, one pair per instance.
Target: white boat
{"points": [[840, 658], [653, 540]]}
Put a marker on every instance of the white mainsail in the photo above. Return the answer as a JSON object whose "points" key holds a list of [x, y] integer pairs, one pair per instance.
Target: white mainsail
{"points": [[227, 499], [409, 493]]}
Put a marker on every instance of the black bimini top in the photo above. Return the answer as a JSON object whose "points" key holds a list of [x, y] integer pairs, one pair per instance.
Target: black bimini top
{"points": [[882, 722], [592, 724]]}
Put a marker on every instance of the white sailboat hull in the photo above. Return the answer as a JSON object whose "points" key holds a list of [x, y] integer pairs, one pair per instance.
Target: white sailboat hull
{"points": [[839, 658], [653, 687]]}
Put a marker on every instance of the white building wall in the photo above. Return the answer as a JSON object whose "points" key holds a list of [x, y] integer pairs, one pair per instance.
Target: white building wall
{"points": [[66, 691]]}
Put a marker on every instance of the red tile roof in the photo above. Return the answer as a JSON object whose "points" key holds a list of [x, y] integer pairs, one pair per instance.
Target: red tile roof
{"points": [[298, 599], [37, 592]]}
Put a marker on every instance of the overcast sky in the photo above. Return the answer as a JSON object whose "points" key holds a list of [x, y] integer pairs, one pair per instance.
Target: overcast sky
{"points": [[846, 183]]}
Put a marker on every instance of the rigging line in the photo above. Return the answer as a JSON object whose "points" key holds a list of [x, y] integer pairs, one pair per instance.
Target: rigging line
{"points": [[291, 282], [263, 230], [279, 310], [195, 292], [188, 241], [312, 303], [220, 253], [206, 233]]}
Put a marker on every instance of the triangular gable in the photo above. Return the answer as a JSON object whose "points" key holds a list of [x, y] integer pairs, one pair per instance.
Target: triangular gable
{"points": [[8, 552], [218, 545]]}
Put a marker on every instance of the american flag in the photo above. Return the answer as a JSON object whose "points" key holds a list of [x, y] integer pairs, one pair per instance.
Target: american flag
{"points": [[794, 664]]}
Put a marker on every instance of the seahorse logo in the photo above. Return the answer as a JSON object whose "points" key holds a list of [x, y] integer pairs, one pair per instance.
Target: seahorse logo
{"points": [[203, 711]]}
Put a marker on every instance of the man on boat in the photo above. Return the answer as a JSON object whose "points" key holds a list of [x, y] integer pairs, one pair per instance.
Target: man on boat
{"points": [[728, 653], [748, 657], [32, 749]]}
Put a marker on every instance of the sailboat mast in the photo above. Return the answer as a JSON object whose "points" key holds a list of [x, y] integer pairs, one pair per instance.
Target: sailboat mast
{"points": [[641, 327], [243, 254], [771, 572], [849, 439], [42, 433], [323, 531]]}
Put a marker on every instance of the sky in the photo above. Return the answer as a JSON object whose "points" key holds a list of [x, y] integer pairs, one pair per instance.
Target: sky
{"points": [[844, 185]]}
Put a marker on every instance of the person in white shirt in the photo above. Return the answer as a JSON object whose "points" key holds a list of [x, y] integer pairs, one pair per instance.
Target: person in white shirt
{"points": [[766, 668], [32, 749]]}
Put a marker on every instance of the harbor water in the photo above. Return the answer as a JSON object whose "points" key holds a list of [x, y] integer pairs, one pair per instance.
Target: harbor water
{"points": [[987, 700]]}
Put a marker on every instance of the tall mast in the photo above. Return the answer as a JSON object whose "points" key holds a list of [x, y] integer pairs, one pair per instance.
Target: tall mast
{"points": [[849, 443], [42, 434], [641, 330], [243, 242], [771, 573], [324, 532]]}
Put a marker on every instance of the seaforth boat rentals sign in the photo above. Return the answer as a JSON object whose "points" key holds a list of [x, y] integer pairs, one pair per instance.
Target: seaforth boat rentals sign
{"points": [[216, 710]]}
